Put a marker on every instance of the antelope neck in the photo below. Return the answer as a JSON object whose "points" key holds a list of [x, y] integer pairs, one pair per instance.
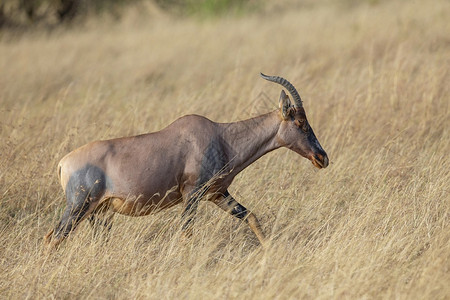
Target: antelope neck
{"points": [[248, 140]]}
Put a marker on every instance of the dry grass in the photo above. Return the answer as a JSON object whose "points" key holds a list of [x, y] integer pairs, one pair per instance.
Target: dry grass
{"points": [[375, 224]]}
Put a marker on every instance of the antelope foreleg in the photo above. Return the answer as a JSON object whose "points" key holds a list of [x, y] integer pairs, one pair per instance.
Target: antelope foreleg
{"points": [[234, 208], [190, 210]]}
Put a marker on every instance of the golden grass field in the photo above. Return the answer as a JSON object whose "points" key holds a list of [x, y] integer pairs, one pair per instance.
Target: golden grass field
{"points": [[374, 78]]}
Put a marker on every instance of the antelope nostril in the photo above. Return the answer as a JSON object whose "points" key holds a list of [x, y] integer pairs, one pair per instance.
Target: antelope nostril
{"points": [[323, 159]]}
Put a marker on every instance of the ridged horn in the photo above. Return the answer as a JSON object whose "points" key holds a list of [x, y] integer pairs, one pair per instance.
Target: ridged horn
{"points": [[286, 84]]}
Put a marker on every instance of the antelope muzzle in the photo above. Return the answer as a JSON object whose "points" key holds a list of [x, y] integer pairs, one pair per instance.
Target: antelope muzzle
{"points": [[319, 159]]}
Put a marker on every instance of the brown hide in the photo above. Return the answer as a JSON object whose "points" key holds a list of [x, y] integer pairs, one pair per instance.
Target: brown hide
{"points": [[192, 158]]}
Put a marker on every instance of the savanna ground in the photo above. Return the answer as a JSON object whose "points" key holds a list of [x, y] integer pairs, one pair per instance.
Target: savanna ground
{"points": [[374, 78]]}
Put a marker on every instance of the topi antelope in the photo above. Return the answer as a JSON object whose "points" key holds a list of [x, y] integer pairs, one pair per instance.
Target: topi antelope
{"points": [[191, 159]]}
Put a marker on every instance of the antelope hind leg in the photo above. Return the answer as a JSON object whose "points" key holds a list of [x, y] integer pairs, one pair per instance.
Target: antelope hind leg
{"points": [[101, 221]]}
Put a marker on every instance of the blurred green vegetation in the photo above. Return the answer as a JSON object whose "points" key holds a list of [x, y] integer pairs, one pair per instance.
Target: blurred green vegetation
{"points": [[15, 13], [208, 8]]}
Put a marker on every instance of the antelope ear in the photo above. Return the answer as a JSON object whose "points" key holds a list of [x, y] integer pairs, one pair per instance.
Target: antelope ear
{"points": [[285, 105]]}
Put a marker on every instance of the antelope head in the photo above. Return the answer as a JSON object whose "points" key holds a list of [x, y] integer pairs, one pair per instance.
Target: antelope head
{"points": [[295, 132]]}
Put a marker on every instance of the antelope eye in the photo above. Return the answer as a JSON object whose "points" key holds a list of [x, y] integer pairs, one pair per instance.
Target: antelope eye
{"points": [[299, 122]]}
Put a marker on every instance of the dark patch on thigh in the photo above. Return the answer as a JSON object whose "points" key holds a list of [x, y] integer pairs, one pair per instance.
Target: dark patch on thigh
{"points": [[88, 183]]}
